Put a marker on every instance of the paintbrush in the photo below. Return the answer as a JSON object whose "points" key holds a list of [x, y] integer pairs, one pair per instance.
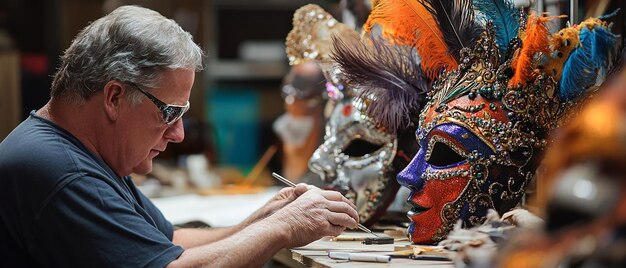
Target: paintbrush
{"points": [[288, 182]]}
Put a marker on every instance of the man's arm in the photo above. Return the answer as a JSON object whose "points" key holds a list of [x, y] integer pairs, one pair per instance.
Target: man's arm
{"points": [[311, 216], [251, 247], [193, 237]]}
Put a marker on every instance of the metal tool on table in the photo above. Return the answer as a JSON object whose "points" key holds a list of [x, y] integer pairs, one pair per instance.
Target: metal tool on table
{"points": [[288, 182]]}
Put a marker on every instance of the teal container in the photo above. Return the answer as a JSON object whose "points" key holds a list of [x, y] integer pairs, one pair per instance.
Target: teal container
{"points": [[234, 114]]}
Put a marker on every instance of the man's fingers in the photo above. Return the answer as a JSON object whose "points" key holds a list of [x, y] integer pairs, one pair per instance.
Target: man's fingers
{"points": [[336, 196], [331, 195], [349, 203], [285, 191], [312, 187], [336, 230], [341, 219], [301, 188], [342, 207]]}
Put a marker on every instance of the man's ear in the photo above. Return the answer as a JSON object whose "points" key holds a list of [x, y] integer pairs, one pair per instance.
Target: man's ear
{"points": [[113, 99]]}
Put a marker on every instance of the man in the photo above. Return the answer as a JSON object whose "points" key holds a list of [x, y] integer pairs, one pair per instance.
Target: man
{"points": [[66, 199]]}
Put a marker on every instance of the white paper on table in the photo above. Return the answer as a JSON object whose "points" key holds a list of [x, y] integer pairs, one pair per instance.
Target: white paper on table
{"points": [[215, 210]]}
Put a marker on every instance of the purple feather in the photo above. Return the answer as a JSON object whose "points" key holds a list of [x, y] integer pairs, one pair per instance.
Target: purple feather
{"points": [[390, 73]]}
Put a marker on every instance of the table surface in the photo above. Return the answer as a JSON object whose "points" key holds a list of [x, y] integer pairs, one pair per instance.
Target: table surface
{"points": [[216, 210], [316, 254]]}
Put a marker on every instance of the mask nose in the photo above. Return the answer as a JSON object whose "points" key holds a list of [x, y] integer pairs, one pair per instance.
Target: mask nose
{"points": [[411, 176], [321, 163]]}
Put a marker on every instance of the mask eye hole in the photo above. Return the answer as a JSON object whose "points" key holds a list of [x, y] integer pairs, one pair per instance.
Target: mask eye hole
{"points": [[442, 155], [360, 147]]}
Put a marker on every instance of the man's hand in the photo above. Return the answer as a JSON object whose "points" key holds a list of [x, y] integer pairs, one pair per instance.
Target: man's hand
{"points": [[314, 214], [294, 217], [284, 197]]}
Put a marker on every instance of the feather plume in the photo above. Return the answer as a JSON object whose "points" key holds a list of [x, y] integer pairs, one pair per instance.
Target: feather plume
{"points": [[561, 45], [587, 65], [390, 73], [505, 18], [407, 22], [536, 40], [610, 15], [456, 22], [617, 65]]}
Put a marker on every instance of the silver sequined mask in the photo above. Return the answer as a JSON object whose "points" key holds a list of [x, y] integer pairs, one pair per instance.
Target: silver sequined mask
{"points": [[356, 159]]}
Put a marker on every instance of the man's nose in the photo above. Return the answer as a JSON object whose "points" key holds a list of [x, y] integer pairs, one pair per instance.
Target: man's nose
{"points": [[176, 132]]}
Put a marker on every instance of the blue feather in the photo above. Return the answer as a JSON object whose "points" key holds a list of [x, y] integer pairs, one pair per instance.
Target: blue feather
{"points": [[505, 18], [610, 15], [588, 63]]}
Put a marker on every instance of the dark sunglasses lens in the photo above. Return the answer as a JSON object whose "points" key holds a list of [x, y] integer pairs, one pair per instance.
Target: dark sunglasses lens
{"points": [[171, 114]]}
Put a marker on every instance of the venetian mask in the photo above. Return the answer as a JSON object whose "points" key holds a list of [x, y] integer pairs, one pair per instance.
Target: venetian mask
{"points": [[498, 90], [357, 159], [473, 151], [480, 139], [468, 160]]}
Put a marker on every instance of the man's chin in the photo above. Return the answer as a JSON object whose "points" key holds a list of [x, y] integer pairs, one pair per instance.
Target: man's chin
{"points": [[144, 168]]}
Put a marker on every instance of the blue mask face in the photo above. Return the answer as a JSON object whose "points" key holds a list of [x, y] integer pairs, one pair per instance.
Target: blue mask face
{"points": [[453, 176]]}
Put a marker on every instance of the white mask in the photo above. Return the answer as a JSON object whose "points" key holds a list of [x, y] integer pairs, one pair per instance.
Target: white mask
{"points": [[293, 130]]}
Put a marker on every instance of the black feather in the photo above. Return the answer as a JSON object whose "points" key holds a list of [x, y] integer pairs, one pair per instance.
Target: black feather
{"points": [[617, 64], [390, 73], [456, 22]]}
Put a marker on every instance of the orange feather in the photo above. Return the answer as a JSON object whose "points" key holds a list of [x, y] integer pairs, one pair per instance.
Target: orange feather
{"points": [[409, 23], [536, 39]]}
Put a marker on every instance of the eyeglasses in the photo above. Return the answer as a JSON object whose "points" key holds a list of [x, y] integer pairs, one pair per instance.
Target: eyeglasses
{"points": [[171, 113]]}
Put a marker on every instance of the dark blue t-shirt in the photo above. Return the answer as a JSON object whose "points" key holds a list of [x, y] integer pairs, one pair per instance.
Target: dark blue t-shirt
{"points": [[62, 206]]}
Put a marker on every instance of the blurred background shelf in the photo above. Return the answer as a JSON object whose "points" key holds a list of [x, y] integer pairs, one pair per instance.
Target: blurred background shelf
{"points": [[246, 70]]}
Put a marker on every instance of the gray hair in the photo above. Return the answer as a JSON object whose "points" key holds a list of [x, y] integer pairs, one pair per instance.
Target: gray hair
{"points": [[131, 44]]}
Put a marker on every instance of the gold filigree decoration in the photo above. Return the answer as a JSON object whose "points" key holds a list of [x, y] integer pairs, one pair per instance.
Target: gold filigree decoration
{"points": [[311, 36]]}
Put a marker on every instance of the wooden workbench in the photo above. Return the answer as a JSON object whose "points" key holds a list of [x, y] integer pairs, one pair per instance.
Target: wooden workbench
{"points": [[316, 255]]}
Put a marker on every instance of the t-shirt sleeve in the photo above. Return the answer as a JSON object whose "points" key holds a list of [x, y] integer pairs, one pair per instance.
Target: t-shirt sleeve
{"points": [[89, 224], [162, 224]]}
